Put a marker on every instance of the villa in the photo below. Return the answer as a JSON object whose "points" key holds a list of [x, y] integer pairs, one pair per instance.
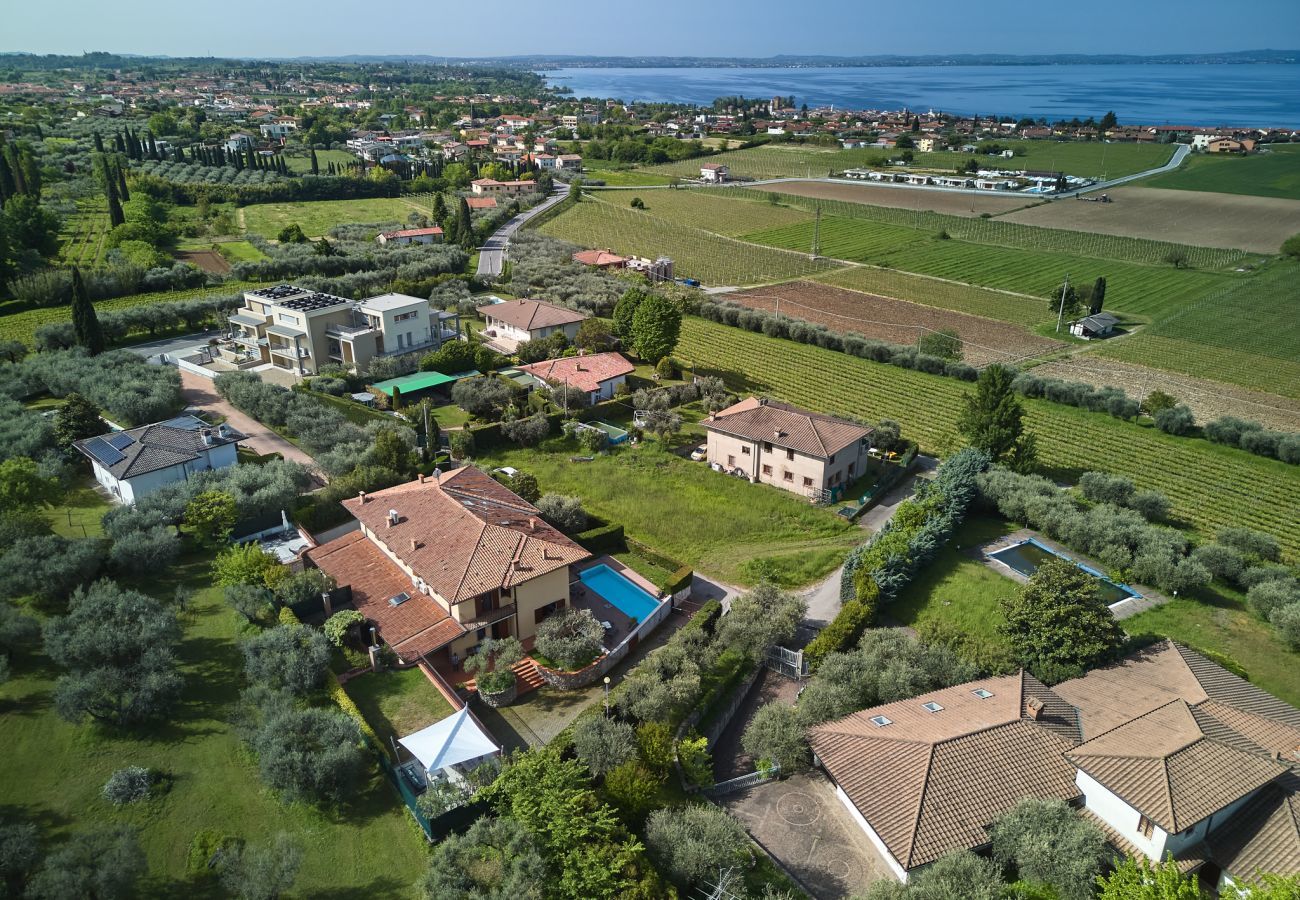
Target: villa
{"points": [[138, 461], [516, 322], [597, 375]]}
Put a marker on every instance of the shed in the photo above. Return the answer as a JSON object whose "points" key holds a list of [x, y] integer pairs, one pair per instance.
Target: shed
{"points": [[420, 381], [1097, 325]]}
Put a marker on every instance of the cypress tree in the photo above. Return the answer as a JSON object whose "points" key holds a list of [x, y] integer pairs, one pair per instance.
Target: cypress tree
{"points": [[99, 142], [464, 227], [315, 166], [31, 171], [118, 142], [439, 210], [252, 157], [15, 169], [7, 186], [1098, 296], [85, 324], [122, 190], [115, 216]]}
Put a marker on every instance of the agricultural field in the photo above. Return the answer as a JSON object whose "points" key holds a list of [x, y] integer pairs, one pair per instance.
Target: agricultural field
{"points": [[897, 321], [1272, 174], [801, 161], [1201, 218], [1005, 306], [82, 237], [300, 160], [713, 211], [1210, 486], [1133, 288], [696, 253], [21, 325], [316, 217], [1207, 399], [621, 177], [1244, 333], [953, 203]]}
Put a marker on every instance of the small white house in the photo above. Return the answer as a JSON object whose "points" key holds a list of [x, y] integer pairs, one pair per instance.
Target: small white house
{"points": [[1097, 325], [714, 172], [138, 461]]}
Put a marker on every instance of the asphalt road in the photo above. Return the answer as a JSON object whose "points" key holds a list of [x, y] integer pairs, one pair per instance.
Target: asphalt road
{"points": [[492, 254]]}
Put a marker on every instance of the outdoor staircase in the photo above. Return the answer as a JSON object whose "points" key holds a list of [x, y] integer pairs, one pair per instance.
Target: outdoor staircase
{"points": [[526, 677]]}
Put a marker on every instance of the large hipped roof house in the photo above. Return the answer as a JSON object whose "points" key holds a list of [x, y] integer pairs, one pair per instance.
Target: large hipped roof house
{"points": [[135, 462], [597, 375], [1167, 752], [514, 322], [442, 562]]}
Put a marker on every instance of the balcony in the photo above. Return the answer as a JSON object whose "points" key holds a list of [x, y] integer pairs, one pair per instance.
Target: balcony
{"points": [[291, 352], [247, 340], [491, 616]]}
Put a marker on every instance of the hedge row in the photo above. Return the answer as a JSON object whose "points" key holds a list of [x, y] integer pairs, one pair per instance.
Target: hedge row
{"points": [[679, 580], [345, 703], [885, 564], [601, 540]]}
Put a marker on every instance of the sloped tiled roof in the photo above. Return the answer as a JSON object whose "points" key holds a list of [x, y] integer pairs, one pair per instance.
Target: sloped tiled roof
{"points": [[586, 373], [464, 533], [1165, 766], [786, 426], [1264, 835], [414, 628], [931, 782], [149, 448], [529, 315]]}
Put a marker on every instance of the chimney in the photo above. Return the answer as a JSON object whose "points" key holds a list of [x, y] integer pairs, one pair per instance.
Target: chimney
{"points": [[1034, 707], [223, 430], [421, 477], [532, 523], [361, 496], [776, 433], [207, 437], [415, 545]]}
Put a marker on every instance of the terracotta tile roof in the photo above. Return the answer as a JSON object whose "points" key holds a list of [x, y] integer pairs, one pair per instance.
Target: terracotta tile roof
{"points": [[599, 258], [464, 533], [481, 202], [529, 315], [932, 782], [414, 628], [1264, 835], [783, 425], [586, 373], [412, 232], [1164, 765]]}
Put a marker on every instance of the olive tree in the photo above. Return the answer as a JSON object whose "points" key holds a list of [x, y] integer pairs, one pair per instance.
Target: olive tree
{"points": [[693, 842], [603, 743], [104, 863], [261, 872], [496, 859], [309, 754], [775, 734], [294, 658], [564, 512], [570, 637], [1047, 842]]}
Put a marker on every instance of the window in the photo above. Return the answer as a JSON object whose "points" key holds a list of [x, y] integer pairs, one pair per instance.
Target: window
{"points": [[292, 320], [767, 470], [881, 721], [788, 476], [982, 694], [789, 454], [767, 447], [931, 707], [1146, 826], [744, 451], [807, 482], [731, 461], [406, 315]]}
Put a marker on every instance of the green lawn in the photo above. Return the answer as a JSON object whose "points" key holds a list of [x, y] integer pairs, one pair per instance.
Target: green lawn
{"points": [[299, 160], [1272, 174], [55, 771], [240, 251], [316, 217], [686, 511], [623, 177], [397, 702], [80, 512]]}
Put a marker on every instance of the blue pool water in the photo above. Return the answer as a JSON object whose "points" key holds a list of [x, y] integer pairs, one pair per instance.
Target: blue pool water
{"points": [[1027, 556], [631, 600]]}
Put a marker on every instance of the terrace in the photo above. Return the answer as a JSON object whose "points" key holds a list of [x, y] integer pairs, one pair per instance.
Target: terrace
{"points": [[610, 596]]}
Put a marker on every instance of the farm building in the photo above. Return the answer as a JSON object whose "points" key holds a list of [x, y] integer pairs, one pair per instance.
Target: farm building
{"points": [[714, 172], [1097, 325], [411, 236]]}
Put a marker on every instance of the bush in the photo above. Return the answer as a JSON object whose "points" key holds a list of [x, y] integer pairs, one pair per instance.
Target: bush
{"points": [[603, 743], [775, 734], [668, 368], [1286, 619], [1102, 487], [571, 637], [1175, 420], [1270, 596], [261, 872], [1254, 544], [151, 550], [528, 431], [634, 789], [602, 539], [695, 842], [461, 443], [338, 626], [293, 658], [1151, 505], [128, 785]]}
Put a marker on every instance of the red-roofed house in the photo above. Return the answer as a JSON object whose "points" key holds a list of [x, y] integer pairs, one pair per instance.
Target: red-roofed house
{"points": [[597, 375], [490, 186], [412, 236], [442, 562], [481, 202], [516, 322], [600, 259]]}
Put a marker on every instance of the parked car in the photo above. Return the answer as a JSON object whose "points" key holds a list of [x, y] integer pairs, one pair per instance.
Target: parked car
{"points": [[700, 453]]}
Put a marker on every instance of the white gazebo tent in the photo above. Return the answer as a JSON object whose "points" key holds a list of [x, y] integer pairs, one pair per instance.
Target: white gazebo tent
{"points": [[455, 740]]}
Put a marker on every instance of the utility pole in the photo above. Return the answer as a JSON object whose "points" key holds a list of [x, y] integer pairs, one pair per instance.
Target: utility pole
{"points": [[1060, 312], [817, 232]]}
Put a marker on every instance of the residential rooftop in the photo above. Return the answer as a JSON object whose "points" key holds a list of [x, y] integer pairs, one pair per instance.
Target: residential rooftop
{"points": [[790, 427]]}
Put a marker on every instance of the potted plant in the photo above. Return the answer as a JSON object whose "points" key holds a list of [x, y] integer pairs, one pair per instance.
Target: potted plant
{"points": [[491, 668]]}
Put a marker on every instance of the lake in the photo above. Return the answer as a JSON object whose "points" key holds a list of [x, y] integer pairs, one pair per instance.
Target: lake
{"points": [[1209, 95]]}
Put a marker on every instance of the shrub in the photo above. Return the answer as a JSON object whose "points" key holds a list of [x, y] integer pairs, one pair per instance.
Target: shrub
{"points": [[1102, 487], [527, 431], [243, 564], [293, 658], [654, 742], [634, 789], [571, 637], [1286, 619], [461, 443], [1254, 544], [1151, 505], [603, 743], [775, 734], [261, 872], [1270, 596], [338, 626], [1175, 420], [150, 550], [495, 858], [128, 785], [492, 662], [1223, 561], [668, 368], [252, 601], [694, 842]]}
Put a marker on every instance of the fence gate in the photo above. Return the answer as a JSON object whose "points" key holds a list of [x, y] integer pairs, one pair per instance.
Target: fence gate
{"points": [[789, 663]]}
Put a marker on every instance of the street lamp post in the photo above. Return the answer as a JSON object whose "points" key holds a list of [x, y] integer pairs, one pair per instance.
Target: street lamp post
{"points": [[607, 696]]}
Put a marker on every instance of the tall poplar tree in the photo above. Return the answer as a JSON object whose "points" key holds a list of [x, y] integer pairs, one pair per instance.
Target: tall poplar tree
{"points": [[315, 166], [85, 324]]}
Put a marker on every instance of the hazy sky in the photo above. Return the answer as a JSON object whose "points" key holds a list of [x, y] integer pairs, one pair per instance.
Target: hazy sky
{"points": [[283, 28]]}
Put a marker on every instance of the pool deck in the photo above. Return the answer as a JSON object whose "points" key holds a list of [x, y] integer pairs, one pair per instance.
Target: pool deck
{"points": [[1123, 609], [583, 597]]}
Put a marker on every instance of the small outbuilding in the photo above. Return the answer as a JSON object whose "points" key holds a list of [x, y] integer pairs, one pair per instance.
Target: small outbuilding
{"points": [[1097, 325]]}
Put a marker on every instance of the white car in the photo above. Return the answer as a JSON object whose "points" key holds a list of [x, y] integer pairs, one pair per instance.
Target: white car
{"points": [[508, 471], [700, 453]]}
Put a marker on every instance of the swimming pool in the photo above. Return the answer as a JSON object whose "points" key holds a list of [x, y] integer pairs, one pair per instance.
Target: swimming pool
{"points": [[631, 600], [1026, 556]]}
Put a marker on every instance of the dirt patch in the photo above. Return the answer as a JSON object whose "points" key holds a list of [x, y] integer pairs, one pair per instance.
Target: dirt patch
{"points": [[729, 759], [951, 202], [207, 260], [1200, 218], [1207, 399], [897, 321]]}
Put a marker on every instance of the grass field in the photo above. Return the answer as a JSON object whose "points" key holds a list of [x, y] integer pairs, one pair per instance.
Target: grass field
{"points": [[1211, 486], [696, 253], [720, 212], [82, 236], [20, 324], [240, 251], [301, 161], [397, 702], [613, 177], [1272, 174], [1244, 333], [962, 592], [687, 511], [798, 161], [56, 771], [316, 217]]}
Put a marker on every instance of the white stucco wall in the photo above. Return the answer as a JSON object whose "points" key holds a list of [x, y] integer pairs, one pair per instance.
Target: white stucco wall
{"points": [[1119, 815], [894, 865]]}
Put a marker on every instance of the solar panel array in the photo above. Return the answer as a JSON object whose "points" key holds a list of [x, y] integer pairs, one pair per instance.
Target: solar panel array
{"points": [[104, 452], [313, 302], [279, 292], [120, 441]]}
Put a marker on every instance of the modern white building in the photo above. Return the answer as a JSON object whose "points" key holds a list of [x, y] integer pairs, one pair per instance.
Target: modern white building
{"points": [[138, 461]]}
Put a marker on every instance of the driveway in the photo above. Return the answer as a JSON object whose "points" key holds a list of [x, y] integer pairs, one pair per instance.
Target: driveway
{"points": [[801, 823], [492, 254], [199, 392]]}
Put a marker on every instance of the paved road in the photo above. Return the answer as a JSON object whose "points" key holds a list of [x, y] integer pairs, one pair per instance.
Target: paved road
{"points": [[174, 346], [199, 392], [492, 254], [824, 597]]}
